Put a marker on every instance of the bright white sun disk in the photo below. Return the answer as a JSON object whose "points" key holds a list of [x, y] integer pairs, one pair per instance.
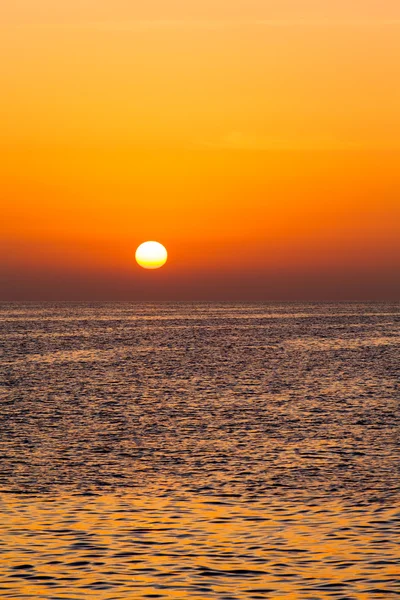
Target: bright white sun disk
{"points": [[151, 255]]}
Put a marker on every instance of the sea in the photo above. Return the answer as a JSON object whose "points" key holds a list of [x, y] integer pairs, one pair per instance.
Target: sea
{"points": [[199, 450]]}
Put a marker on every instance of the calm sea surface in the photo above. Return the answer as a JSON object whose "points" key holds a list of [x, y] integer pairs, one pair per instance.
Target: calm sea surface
{"points": [[199, 451]]}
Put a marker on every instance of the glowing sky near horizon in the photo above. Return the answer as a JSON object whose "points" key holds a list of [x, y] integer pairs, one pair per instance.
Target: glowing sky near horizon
{"points": [[258, 139]]}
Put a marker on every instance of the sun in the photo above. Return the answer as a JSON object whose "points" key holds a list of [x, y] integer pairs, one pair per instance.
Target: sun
{"points": [[151, 255]]}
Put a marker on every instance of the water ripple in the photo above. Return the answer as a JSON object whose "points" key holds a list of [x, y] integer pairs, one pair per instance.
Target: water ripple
{"points": [[199, 451]]}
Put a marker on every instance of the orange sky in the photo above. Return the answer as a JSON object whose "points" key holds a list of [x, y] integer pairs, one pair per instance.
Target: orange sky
{"points": [[258, 140]]}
